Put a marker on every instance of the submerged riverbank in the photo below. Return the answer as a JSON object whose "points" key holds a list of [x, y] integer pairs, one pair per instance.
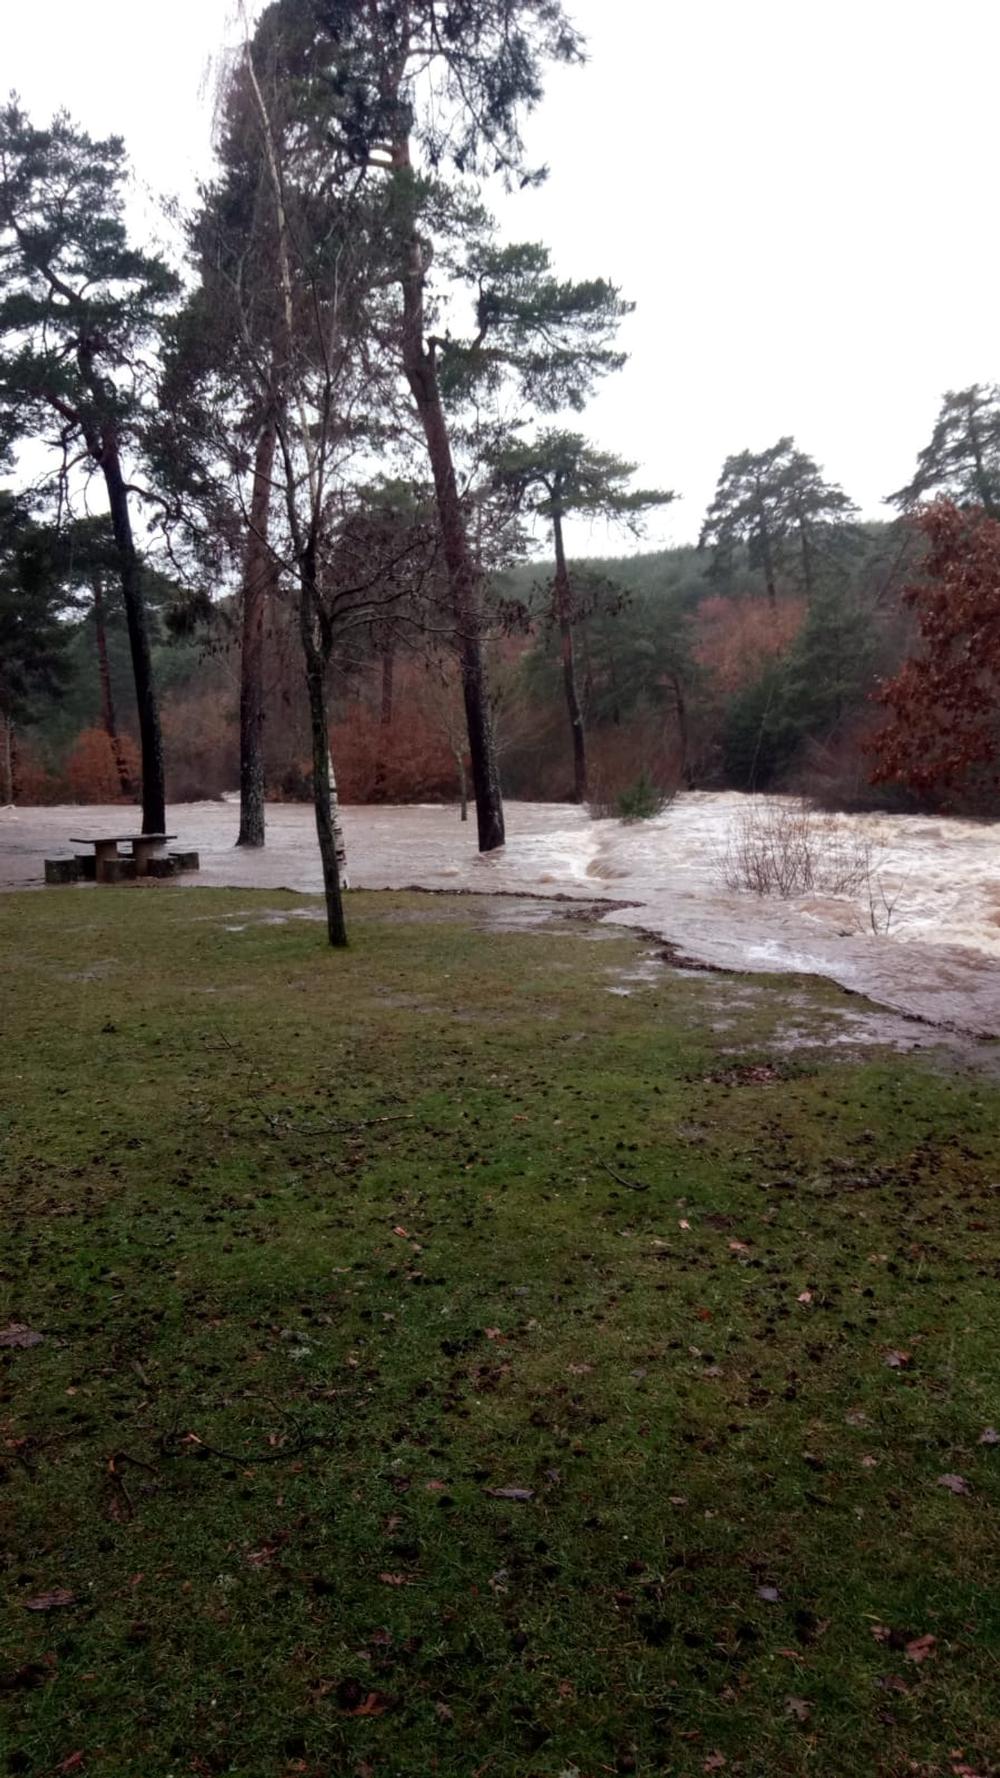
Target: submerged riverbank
{"points": [[938, 961]]}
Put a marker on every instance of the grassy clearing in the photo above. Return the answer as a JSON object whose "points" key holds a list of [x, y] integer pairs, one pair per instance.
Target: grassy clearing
{"points": [[324, 1249]]}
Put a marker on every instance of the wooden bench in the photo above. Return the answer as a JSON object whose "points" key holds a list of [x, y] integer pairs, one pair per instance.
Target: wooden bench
{"points": [[112, 866]]}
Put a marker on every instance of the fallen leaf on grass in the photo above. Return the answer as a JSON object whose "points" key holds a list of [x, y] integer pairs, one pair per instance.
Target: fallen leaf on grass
{"points": [[18, 1336], [493, 1333], [738, 1246], [579, 1370], [511, 1493], [869, 1462], [956, 1484], [799, 1708], [920, 1649], [72, 1762], [50, 1601], [898, 1361], [373, 1705], [770, 1595], [714, 1762], [856, 1418], [990, 1436], [396, 1580], [703, 1314], [683, 1224], [435, 1487], [444, 1712], [404, 1234], [804, 1296], [881, 1632]]}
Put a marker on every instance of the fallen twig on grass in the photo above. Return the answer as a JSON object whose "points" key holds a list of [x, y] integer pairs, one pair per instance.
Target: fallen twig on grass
{"points": [[632, 1185]]}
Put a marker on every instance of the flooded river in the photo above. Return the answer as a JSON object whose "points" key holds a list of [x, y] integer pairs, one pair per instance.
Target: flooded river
{"points": [[939, 961]]}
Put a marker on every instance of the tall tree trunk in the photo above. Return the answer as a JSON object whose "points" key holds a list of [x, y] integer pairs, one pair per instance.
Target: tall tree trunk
{"points": [[764, 538], [983, 485], [7, 761], [807, 571], [616, 699], [108, 718], [420, 367], [683, 734], [257, 580], [339, 843], [385, 719], [315, 667], [154, 813], [564, 615]]}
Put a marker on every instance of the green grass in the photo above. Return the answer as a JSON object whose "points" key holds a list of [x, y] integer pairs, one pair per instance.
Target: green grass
{"points": [[324, 1247]]}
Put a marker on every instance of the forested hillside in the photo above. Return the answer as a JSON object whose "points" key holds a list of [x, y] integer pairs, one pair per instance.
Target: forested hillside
{"points": [[691, 676]]}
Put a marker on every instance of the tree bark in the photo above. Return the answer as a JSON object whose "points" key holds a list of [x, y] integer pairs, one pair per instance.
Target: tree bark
{"points": [[982, 479], [108, 718], [154, 814], [315, 667], [385, 719], [419, 364], [7, 759], [767, 559], [564, 615], [683, 734], [807, 572], [257, 579]]}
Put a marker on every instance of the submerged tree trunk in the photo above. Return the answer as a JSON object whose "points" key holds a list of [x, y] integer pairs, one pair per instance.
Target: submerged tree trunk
{"points": [[419, 363], [6, 761], [385, 719], [564, 615], [257, 579], [315, 667], [108, 718], [154, 814]]}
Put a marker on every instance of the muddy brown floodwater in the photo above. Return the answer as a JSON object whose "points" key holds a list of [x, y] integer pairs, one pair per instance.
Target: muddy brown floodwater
{"points": [[939, 962]]}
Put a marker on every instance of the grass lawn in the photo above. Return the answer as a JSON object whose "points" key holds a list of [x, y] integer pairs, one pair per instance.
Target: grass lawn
{"points": [[332, 1253]]}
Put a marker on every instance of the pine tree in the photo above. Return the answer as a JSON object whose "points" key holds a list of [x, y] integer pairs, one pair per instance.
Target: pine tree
{"points": [[79, 311], [777, 505], [557, 476], [407, 91], [33, 636], [962, 460]]}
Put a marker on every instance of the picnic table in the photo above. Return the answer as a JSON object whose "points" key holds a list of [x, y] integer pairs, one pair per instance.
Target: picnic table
{"points": [[144, 847]]}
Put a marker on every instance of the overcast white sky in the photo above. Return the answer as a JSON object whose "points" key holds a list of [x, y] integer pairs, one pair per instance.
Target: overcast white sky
{"points": [[800, 196]]}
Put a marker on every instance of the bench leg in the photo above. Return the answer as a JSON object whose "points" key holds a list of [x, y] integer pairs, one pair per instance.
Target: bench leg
{"points": [[104, 857]]}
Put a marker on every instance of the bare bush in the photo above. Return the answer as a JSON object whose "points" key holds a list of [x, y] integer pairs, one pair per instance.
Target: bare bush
{"points": [[783, 849]]}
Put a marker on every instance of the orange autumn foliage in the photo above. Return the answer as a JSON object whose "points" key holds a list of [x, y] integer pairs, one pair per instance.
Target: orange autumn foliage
{"points": [[735, 639], [92, 768]]}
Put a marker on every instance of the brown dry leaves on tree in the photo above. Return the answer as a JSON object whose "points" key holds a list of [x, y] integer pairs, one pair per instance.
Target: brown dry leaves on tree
{"points": [[944, 704]]}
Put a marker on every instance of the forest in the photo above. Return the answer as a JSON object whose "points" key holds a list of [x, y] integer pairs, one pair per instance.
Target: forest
{"points": [[286, 509]]}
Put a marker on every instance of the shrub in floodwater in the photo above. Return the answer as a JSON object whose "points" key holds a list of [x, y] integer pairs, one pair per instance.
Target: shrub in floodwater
{"points": [[642, 800], [781, 848]]}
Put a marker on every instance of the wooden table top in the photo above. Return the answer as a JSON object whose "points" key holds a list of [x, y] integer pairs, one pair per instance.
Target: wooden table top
{"points": [[119, 839]]}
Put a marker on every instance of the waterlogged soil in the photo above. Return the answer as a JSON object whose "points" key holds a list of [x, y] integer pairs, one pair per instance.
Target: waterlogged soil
{"points": [[939, 960], [422, 1359]]}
